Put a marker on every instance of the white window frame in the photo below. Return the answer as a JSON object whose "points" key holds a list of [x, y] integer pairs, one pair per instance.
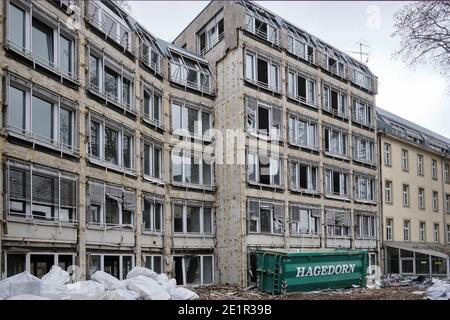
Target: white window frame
{"points": [[272, 31], [362, 117], [59, 29], [389, 229], [151, 258], [388, 191], [387, 152], [147, 52], [435, 200], [310, 85], [30, 169], [300, 48], [434, 169], [273, 81], [200, 266], [153, 199], [251, 154], [331, 228], [343, 176], [406, 230], [369, 151], [58, 102], [102, 262], [97, 18], [28, 255], [447, 173], [421, 198], [447, 203], [275, 133], [436, 233], [211, 39], [422, 231], [179, 73], [371, 189], [312, 131], [198, 124], [371, 225], [313, 221], [341, 143], [150, 117], [152, 145], [404, 155], [102, 207], [420, 165], [405, 195], [267, 205], [105, 60], [201, 206], [121, 132], [294, 179], [342, 108], [186, 156]]}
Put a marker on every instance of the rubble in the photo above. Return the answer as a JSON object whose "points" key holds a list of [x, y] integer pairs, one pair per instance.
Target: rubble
{"points": [[140, 284], [440, 290]]}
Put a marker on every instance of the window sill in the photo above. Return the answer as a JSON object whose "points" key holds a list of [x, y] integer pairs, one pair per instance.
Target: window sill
{"points": [[100, 28], [369, 126], [148, 232], [192, 235], [193, 186], [337, 156], [156, 124], [105, 227], [27, 54], [195, 87], [264, 86], [305, 235], [108, 99], [187, 135], [301, 100], [335, 197], [31, 138], [265, 234], [336, 114], [315, 149], [365, 201], [333, 237], [154, 180], [263, 136], [270, 186], [104, 164], [44, 222], [309, 192], [366, 238]]}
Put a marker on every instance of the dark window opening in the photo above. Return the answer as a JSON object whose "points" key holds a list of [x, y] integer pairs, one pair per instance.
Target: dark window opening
{"points": [[263, 74], [265, 220], [252, 271], [40, 264], [336, 182], [220, 27], [65, 261], [263, 120], [261, 28], [301, 86], [334, 100], [178, 270], [15, 264], [303, 176], [111, 265]]}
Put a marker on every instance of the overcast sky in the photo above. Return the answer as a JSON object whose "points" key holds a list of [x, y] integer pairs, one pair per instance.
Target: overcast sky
{"points": [[418, 95]]}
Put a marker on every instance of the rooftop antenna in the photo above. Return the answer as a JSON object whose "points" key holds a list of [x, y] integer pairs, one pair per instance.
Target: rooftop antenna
{"points": [[361, 52]]}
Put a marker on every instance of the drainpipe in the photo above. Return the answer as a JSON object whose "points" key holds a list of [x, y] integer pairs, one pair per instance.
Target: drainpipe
{"points": [[380, 205], [443, 161]]}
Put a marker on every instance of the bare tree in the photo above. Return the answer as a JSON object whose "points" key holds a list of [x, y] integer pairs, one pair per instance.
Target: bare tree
{"points": [[424, 29]]}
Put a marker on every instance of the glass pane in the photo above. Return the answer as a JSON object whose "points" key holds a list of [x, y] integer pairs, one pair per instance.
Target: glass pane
{"points": [[176, 117], [111, 145], [95, 139], [40, 264], [207, 269], [147, 163], [195, 171], [127, 147], [65, 127], [146, 214], [16, 25], [42, 115], [157, 263], [65, 54], [42, 41], [126, 91], [111, 82], [112, 211], [157, 163], [127, 264], [265, 215], [206, 174], [16, 108], [205, 122], [178, 218], [158, 217], [192, 120], [111, 265], [95, 264], [94, 71], [177, 172], [193, 219], [192, 265], [147, 103], [156, 107], [15, 264], [207, 220]]}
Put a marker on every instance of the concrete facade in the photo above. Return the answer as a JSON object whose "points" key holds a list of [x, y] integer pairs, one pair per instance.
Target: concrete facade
{"points": [[236, 194]]}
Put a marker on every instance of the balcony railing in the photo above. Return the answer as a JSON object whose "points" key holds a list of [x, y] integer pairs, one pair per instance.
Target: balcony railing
{"points": [[212, 45], [111, 98]]}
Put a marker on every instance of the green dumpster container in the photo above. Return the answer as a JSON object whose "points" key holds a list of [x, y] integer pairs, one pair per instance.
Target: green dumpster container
{"points": [[287, 271]]}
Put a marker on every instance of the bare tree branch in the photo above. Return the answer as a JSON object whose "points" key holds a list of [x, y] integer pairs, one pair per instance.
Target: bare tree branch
{"points": [[424, 31]]}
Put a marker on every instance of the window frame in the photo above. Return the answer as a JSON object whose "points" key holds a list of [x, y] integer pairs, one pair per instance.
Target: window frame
{"points": [[435, 200], [310, 179], [389, 190], [250, 26], [183, 131], [405, 195], [389, 229], [188, 154], [202, 206], [341, 97], [406, 230], [310, 125], [102, 262], [436, 233], [256, 57], [314, 221], [342, 174], [150, 118], [256, 156], [370, 149], [434, 168], [371, 225], [331, 228], [310, 82], [342, 143], [152, 200], [201, 267], [371, 184], [151, 258], [420, 165], [404, 160], [421, 198], [422, 231], [152, 145], [357, 103], [294, 43], [213, 23], [179, 73], [387, 154], [268, 205]]}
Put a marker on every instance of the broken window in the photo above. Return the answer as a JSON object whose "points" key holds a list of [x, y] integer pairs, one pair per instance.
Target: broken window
{"points": [[363, 149], [111, 205], [116, 265], [262, 71], [193, 218], [365, 225], [210, 34], [265, 217], [191, 168], [263, 119], [305, 220], [362, 112], [155, 263], [264, 29], [110, 78], [336, 182], [365, 187], [338, 223], [335, 141], [264, 170], [152, 159], [334, 101], [302, 132], [303, 176], [193, 269]]}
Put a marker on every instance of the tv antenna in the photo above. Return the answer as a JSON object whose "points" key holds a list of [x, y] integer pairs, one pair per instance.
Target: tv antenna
{"points": [[361, 52]]}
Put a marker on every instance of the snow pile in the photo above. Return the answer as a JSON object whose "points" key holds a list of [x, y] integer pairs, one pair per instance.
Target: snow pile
{"points": [[440, 290], [140, 284]]}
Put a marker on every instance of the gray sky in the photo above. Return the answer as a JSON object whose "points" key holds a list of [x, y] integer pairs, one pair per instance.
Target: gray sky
{"points": [[418, 95]]}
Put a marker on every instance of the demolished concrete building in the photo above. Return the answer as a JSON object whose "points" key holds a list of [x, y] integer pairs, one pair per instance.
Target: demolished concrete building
{"points": [[95, 107]]}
